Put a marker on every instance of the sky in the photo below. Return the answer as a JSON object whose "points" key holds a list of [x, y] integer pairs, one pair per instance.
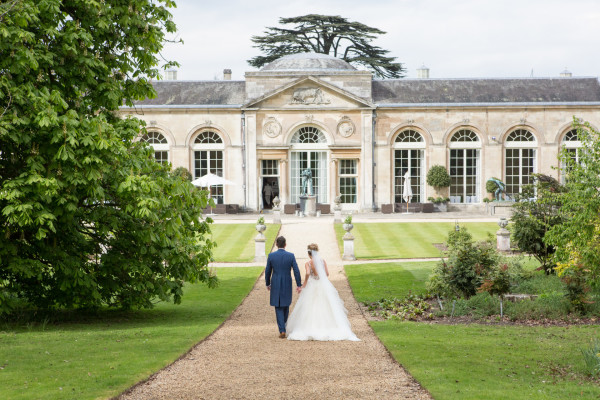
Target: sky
{"points": [[454, 39]]}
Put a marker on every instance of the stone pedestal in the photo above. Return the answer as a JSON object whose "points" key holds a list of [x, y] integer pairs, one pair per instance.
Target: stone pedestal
{"points": [[348, 247], [276, 215], [503, 236], [337, 216], [259, 243], [259, 248], [503, 239], [308, 205]]}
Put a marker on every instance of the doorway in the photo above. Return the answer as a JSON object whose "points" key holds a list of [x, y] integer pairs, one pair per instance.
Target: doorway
{"points": [[270, 190]]}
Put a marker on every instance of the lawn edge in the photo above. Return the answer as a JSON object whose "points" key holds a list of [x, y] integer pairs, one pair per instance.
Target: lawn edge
{"points": [[182, 356], [389, 353]]}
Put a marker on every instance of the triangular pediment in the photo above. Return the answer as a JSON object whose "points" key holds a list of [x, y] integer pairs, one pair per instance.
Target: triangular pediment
{"points": [[308, 93]]}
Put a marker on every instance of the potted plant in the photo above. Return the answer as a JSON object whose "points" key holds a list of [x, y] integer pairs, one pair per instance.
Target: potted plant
{"points": [[348, 224], [440, 202], [439, 179], [260, 225]]}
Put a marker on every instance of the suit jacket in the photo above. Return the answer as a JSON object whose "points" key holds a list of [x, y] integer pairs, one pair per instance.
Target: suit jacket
{"points": [[277, 274]]}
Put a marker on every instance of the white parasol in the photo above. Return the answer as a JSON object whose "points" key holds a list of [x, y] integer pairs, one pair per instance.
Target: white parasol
{"points": [[211, 180], [407, 193]]}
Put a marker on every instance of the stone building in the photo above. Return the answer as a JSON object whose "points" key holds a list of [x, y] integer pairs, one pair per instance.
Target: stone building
{"points": [[359, 135]]}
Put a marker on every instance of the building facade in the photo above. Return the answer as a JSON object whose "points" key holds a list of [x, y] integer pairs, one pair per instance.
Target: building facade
{"points": [[359, 136]]}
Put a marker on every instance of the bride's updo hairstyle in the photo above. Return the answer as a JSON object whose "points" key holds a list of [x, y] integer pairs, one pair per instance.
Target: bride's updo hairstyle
{"points": [[312, 247]]}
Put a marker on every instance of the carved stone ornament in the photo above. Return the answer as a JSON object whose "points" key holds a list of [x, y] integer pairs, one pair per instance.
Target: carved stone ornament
{"points": [[345, 127], [309, 96], [272, 128]]}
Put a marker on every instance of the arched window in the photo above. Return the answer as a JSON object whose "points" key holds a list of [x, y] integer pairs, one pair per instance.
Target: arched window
{"points": [[160, 145], [464, 166], [409, 150], [208, 158], [464, 135], [208, 137], [309, 151], [572, 144], [309, 135], [519, 160]]}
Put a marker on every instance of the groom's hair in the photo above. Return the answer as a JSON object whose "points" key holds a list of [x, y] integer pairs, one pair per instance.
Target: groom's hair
{"points": [[280, 242]]}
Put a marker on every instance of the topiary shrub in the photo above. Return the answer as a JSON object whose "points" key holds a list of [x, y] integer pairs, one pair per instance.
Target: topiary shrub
{"points": [[183, 172], [438, 177]]}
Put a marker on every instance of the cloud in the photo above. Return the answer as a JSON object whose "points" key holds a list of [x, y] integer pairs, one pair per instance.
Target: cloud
{"points": [[462, 38]]}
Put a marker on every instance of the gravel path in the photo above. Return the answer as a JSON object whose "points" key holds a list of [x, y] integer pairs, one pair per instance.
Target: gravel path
{"points": [[245, 359]]}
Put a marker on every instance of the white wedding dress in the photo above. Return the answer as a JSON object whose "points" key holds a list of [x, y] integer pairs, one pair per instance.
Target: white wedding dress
{"points": [[319, 313]]}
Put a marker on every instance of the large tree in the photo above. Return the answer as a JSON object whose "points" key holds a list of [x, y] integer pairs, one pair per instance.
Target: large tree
{"points": [[327, 34], [87, 217], [577, 239]]}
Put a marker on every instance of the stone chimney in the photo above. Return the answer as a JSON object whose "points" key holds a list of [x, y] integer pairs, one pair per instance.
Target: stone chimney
{"points": [[226, 74], [423, 72], [566, 73], [171, 75]]}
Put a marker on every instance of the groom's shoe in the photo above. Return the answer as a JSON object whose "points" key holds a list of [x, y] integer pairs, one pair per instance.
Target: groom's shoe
{"points": [[282, 335]]}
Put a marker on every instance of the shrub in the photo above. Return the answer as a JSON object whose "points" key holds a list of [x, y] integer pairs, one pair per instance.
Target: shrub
{"points": [[534, 213], [438, 177], [438, 200], [348, 219], [183, 172], [491, 186], [466, 268]]}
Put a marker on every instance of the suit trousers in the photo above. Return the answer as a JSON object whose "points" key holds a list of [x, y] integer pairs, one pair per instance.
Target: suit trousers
{"points": [[282, 316]]}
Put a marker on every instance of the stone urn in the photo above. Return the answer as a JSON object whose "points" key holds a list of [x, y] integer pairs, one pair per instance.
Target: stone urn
{"points": [[260, 228], [348, 227], [337, 201], [502, 223], [276, 202]]}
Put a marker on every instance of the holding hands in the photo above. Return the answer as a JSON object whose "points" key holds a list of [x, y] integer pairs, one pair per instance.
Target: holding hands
{"points": [[299, 289]]}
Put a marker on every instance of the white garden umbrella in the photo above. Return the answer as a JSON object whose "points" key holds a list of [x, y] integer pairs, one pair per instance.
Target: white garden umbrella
{"points": [[407, 193], [209, 180]]}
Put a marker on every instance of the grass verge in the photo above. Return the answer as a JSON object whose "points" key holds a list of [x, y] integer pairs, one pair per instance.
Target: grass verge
{"points": [[476, 361], [406, 239], [392, 279], [235, 242], [99, 356], [492, 362]]}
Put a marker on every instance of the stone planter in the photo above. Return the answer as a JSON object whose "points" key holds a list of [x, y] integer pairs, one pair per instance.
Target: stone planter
{"points": [[348, 227], [260, 228], [442, 207]]}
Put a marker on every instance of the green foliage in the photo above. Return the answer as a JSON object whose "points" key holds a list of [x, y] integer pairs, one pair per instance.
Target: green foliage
{"points": [[535, 212], [260, 221], [348, 219], [183, 173], [467, 267], [591, 357], [88, 218], [438, 177], [409, 308], [577, 238], [438, 200], [326, 34], [491, 186]]}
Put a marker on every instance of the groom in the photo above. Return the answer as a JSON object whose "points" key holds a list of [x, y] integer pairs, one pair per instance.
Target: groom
{"points": [[279, 282]]}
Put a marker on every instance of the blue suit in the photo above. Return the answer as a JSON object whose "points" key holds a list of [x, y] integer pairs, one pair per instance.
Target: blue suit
{"points": [[277, 275]]}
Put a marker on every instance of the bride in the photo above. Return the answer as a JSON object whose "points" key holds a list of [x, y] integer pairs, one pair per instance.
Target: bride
{"points": [[319, 313]]}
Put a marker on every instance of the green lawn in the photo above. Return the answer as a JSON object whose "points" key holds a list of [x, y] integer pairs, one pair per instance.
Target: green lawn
{"points": [[406, 239], [476, 361], [100, 356], [392, 279], [235, 242], [492, 362]]}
